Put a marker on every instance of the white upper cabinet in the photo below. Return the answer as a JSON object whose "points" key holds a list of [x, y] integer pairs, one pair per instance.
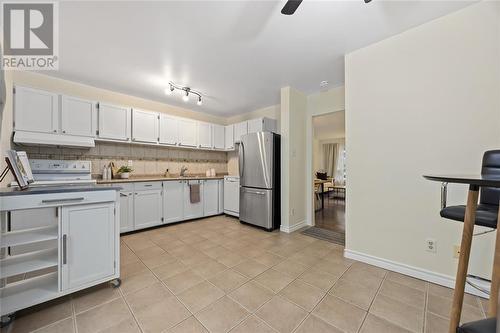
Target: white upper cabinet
{"points": [[169, 130], [229, 137], [240, 129], [255, 125], [145, 126], [114, 122], [188, 133], [262, 124], [78, 116], [219, 138], [36, 110], [205, 135]]}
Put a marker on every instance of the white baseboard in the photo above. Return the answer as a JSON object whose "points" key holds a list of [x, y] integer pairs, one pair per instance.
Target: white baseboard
{"points": [[294, 227], [419, 273]]}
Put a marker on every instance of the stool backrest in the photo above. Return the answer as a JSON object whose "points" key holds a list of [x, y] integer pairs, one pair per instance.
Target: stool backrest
{"points": [[491, 166]]}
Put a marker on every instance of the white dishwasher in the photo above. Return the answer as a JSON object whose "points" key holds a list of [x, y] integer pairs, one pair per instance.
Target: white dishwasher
{"points": [[232, 195]]}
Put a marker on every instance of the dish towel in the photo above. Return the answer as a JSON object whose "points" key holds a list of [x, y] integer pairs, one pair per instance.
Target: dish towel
{"points": [[194, 193]]}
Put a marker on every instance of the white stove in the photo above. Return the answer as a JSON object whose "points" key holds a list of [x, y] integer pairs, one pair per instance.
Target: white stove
{"points": [[60, 172]]}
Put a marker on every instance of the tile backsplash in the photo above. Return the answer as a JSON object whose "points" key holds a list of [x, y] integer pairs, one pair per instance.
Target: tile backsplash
{"points": [[146, 160]]}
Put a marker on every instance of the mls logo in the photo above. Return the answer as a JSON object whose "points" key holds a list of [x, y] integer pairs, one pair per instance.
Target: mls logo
{"points": [[29, 35]]}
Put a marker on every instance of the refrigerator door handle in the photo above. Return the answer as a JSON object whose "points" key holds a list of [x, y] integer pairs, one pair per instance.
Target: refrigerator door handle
{"points": [[241, 159], [254, 192]]}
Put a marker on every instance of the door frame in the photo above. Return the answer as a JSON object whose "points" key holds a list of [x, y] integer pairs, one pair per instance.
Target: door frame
{"points": [[310, 213]]}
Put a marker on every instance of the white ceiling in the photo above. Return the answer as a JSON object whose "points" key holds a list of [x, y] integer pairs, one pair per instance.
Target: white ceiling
{"points": [[329, 126], [238, 53]]}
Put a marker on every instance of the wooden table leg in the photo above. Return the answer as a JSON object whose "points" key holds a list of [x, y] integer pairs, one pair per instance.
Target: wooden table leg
{"points": [[463, 260], [322, 195], [495, 278]]}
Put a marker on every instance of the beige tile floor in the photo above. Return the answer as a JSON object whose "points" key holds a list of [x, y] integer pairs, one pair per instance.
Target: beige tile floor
{"points": [[216, 275]]}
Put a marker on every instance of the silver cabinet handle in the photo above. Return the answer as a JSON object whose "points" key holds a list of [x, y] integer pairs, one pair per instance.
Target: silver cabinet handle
{"points": [[123, 195], [148, 185], [62, 200], [64, 249]]}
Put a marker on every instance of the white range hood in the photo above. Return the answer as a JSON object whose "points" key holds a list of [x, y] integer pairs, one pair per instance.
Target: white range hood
{"points": [[45, 139]]}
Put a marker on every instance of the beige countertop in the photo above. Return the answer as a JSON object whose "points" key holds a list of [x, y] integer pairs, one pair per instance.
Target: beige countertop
{"points": [[154, 178]]}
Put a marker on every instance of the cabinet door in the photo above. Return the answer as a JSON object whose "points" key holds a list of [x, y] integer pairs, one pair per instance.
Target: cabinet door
{"points": [[255, 125], [192, 210], [188, 134], [219, 139], [78, 116], [145, 125], [220, 184], [126, 211], [173, 201], [35, 110], [229, 137], [147, 209], [88, 239], [169, 130], [210, 197], [240, 129], [114, 122], [205, 135]]}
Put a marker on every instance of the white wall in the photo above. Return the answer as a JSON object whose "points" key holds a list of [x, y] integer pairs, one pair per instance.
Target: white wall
{"points": [[293, 159], [426, 101]]}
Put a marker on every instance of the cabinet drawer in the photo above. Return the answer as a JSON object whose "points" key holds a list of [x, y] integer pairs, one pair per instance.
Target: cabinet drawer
{"points": [[147, 186], [126, 187], [57, 199]]}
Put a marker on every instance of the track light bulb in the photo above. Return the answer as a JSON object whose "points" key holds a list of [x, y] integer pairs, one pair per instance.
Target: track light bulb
{"points": [[185, 98], [199, 101]]}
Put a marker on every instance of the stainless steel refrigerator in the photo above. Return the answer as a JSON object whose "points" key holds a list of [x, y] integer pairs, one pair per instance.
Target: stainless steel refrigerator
{"points": [[260, 179]]}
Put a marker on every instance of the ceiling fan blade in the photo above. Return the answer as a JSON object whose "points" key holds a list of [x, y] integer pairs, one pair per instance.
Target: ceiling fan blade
{"points": [[290, 7]]}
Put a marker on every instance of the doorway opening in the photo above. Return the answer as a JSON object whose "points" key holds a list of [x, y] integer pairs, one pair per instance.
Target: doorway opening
{"points": [[329, 175]]}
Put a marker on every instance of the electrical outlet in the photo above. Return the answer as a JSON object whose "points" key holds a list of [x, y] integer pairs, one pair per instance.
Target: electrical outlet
{"points": [[129, 163], [431, 245], [456, 251]]}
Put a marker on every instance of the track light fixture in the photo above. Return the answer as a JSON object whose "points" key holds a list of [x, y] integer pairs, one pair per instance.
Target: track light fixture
{"points": [[186, 91]]}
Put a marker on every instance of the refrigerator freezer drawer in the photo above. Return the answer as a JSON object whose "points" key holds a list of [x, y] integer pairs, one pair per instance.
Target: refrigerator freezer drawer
{"points": [[256, 207]]}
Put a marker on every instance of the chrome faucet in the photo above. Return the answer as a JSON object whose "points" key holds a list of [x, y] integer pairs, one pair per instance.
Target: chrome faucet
{"points": [[183, 170]]}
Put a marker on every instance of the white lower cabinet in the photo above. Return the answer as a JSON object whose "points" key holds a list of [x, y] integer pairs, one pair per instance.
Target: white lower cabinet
{"points": [[87, 244], [149, 204], [75, 239], [192, 210], [173, 201], [210, 197], [126, 211], [148, 210], [220, 184]]}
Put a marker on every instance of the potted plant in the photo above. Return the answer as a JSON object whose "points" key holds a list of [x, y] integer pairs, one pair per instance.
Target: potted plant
{"points": [[124, 171]]}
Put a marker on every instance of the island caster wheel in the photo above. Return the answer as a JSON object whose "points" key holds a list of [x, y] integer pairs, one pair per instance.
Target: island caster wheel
{"points": [[116, 283], [6, 320]]}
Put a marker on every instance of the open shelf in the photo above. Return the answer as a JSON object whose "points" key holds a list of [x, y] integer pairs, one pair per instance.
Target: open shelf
{"points": [[28, 262], [26, 293], [28, 236]]}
